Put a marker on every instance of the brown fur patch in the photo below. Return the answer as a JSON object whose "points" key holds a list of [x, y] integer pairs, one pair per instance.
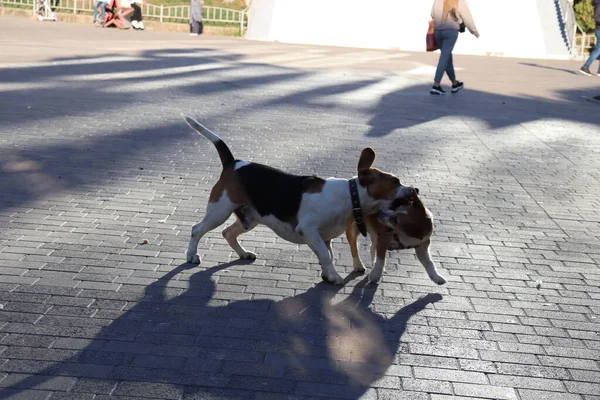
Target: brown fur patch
{"points": [[229, 181], [380, 185], [367, 158], [414, 224], [414, 230], [315, 186]]}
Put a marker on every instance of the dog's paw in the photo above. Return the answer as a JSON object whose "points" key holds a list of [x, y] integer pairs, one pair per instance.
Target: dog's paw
{"points": [[440, 280], [193, 258], [358, 266], [333, 278], [248, 256]]}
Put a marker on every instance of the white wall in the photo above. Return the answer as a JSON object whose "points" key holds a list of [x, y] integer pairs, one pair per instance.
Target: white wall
{"points": [[509, 27]]}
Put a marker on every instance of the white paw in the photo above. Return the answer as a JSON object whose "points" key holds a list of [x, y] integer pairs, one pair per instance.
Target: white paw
{"points": [[248, 256], [358, 266], [193, 258], [440, 280], [333, 278]]}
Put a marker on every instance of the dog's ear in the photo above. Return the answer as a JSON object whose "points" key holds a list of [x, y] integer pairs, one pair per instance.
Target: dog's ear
{"points": [[416, 190], [367, 157]]}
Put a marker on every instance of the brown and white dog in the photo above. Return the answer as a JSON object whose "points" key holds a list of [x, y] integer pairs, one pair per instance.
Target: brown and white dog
{"points": [[300, 209], [407, 224]]}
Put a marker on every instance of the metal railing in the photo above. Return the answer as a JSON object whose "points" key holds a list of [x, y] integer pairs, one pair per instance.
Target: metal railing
{"points": [[177, 14], [584, 41], [578, 40], [17, 3], [570, 24]]}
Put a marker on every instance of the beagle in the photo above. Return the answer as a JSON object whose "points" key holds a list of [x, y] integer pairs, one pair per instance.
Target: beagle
{"points": [[407, 224], [300, 209]]}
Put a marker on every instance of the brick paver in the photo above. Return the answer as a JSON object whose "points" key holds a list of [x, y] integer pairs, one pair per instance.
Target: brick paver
{"points": [[95, 160]]}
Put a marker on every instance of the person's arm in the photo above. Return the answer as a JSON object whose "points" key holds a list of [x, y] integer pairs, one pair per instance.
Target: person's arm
{"points": [[465, 14]]}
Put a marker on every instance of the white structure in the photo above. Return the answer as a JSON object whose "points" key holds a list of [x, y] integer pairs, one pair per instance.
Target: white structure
{"points": [[510, 28]]}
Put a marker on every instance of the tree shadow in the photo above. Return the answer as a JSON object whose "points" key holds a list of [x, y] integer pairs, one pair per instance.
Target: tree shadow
{"points": [[99, 87], [193, 344]]}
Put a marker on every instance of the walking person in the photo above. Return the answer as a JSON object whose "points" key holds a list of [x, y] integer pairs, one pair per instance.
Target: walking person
{"points": [[596, 52], [196, 26], [450, 17]]}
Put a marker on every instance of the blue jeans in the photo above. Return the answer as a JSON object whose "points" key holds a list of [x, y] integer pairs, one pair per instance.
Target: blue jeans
{"points": [[102, 6], [446, 40], [595, 53]]}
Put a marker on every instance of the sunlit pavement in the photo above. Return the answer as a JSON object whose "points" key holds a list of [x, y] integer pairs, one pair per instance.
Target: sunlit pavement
{"points": [[101, 181]]}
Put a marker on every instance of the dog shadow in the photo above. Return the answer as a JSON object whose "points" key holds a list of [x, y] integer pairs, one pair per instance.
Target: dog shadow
{"points": [[202, 345]]}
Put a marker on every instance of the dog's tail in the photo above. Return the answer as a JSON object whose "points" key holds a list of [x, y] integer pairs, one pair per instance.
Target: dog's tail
{"points": [[224, 152]]}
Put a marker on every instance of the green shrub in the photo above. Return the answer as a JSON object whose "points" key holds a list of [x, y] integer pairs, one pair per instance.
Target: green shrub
{"points": [[584, 13]]}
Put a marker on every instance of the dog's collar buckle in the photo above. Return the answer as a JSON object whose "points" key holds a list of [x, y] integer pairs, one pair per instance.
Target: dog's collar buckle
{"points": [[356, 209]]}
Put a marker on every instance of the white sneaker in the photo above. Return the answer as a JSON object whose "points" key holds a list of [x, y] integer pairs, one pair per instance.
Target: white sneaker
{"points": [[135, 24], [193, 34], [141, 25]]}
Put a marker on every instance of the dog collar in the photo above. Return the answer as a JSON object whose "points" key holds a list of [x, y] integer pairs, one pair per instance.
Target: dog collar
{"points": [[356, 210]]}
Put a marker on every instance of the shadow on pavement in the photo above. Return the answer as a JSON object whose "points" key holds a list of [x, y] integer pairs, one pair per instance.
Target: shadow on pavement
{"points": [[36, 97], [568, 71], [190, 344]]}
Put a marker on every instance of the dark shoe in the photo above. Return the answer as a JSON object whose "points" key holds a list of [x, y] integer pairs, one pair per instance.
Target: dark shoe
{"points": [[585, 71], [457, 86], [437, 90]]}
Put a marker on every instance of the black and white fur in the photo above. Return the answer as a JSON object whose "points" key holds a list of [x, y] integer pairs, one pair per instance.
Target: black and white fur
{"points": [[300, 209]]}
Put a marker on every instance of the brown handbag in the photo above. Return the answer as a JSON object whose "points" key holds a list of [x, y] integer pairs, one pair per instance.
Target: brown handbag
{"points": [[430, 39]]}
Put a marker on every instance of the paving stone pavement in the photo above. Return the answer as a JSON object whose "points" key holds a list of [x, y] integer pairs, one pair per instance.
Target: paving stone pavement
{"points": [[95, 160]]}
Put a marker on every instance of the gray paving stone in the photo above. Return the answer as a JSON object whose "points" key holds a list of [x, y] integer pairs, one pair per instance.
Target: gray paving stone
{"points": [[488, 392], [545, 395], [39, 382], [584, 388], [148, 389]]}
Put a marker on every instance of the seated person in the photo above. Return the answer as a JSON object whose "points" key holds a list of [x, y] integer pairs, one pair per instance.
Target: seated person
{"points": [[136, 17]]}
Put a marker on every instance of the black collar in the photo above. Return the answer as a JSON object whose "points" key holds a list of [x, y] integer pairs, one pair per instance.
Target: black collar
{"points": [[356, 210]]}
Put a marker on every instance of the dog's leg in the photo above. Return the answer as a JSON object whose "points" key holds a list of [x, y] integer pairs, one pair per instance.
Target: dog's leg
{"points": [[330, 249], [374, 240], [381, 245], [425, 258], [315, 242], [352, 236], [216, 214], [231, 234]]}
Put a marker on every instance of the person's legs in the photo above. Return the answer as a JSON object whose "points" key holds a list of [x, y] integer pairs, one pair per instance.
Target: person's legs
{"points": [[442, 61], [96, 11], [195, 27], [102, 13], [137, 12], [593, 55], [446, 40], [136, 17], [450, 69]]}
